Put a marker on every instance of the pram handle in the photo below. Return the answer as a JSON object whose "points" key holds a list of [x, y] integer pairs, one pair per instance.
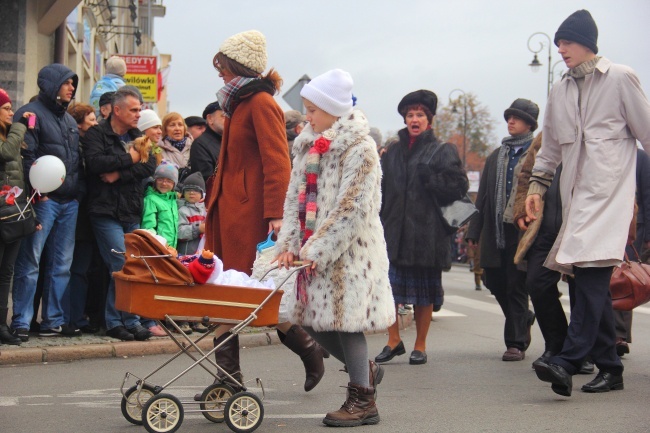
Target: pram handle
{"points": [[300, 265]]}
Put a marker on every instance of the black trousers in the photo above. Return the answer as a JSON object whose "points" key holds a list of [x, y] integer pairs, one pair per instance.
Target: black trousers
{"points": [[541, 283], [508, 285], [591, 329]]}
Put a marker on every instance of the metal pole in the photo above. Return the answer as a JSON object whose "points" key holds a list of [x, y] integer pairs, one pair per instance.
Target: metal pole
{"points": [[549, 76], [464, 133]]}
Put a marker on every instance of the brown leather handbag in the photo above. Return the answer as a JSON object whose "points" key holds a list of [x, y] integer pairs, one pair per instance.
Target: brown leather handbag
{"points": [[630, 285]]}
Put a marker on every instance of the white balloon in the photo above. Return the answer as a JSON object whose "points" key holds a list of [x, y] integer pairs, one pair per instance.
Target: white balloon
{"points": [[47, 174]]}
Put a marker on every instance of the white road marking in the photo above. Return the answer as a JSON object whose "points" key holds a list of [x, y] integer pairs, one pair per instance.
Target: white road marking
{"points": [[446, 313]]}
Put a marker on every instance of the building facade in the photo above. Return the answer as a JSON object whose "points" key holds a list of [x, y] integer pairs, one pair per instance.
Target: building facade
{"points": [[80, 35]]}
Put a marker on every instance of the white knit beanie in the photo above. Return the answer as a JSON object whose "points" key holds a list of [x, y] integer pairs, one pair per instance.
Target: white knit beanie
{"points": [[331, 92], [148, 118], [247, 48], [116, 65]]}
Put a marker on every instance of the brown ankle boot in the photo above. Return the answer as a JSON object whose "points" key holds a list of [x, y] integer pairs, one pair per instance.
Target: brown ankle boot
{"points": [[358, 409], [227, 357], [310, 352]]}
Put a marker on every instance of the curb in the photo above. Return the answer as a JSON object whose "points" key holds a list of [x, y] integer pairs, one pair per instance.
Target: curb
{"points": [[122, 349]]}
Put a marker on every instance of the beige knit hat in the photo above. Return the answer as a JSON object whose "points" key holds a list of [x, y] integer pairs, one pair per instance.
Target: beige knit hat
{"points": [[116, 65], [247, 48]]}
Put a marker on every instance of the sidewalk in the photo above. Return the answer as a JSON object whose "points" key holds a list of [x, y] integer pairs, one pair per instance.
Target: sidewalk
{"points": [[87, 346]]}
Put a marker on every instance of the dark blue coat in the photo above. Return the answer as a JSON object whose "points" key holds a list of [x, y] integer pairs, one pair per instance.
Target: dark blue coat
{"points": [[56, 132]]}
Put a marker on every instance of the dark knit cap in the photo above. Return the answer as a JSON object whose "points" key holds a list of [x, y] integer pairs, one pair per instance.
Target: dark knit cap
{"points": [[526, 110], [419, 97], [211, 108], [194, 182], [580, 27]]}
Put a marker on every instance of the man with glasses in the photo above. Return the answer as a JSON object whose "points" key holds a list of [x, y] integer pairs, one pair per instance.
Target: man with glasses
{"points": [[115, 174]]}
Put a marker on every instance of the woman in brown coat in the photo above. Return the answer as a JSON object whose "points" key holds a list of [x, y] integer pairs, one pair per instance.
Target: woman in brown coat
{"points": [[247, 197]]}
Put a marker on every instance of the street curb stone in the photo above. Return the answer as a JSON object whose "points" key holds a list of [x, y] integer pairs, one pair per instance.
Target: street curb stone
{"points": [[123, 349]]}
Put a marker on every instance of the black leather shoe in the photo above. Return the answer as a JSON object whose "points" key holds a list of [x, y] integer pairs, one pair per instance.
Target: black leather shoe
{"points": [[387, 353], [121, 333], [587, 367], [544, 358], [561, 381], [6, 337], [89, 329], [622, 347], [140, 333], [604, 382], [418, 358]]}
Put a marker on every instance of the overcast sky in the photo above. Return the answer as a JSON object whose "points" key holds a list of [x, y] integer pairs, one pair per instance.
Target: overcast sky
{"points": [[393, 47]]}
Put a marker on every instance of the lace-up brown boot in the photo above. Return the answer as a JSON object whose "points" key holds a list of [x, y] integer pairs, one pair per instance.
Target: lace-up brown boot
{"points": [[358, 409]]}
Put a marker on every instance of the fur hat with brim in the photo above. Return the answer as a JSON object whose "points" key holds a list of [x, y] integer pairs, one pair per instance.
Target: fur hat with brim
{"points": [[419, 97], [246, 48], [526, 110]]}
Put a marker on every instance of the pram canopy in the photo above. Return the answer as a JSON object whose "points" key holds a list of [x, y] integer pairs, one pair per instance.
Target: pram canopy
{"points": [[153, 285]]}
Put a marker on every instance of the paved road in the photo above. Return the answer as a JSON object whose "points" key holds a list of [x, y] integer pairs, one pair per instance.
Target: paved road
{"points": [[465, 387]]}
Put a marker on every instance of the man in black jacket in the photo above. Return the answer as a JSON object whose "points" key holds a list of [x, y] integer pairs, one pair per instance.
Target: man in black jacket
{"points": [[493, 225], [204, 153], [115, 177], [56, 133]]}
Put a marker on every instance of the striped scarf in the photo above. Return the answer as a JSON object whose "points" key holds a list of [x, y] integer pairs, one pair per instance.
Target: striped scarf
{"points": [[226, 94], [500, 192], [307, 206], [308, 189]]}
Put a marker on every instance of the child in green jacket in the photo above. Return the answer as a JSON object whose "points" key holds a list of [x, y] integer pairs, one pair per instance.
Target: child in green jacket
{"points": [[160, 212]]}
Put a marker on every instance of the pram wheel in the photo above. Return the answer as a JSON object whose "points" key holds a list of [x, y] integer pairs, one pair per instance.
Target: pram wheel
{"points": [[244, 412], [215, 397], [163, 413], [132, 403]]}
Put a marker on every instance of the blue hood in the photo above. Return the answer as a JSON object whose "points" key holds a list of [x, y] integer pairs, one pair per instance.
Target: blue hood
{"points": [[50, 79]]}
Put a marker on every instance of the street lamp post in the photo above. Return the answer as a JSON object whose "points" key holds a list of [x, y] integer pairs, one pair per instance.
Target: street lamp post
{"points": [[536, 64], [464, 97]]}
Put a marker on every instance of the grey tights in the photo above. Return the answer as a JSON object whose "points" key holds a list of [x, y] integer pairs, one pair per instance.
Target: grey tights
{"points": [[348, 347]]}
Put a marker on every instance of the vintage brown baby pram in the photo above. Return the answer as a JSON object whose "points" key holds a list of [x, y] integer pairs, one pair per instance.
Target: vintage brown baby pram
{"points": [[155, 285]]}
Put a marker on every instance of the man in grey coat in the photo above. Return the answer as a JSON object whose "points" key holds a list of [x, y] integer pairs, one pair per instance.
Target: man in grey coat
{"points": [[594, 116]]}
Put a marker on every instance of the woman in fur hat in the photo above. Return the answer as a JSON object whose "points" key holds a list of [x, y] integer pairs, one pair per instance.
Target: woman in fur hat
{"points": [[331, 221], [419, 248]]}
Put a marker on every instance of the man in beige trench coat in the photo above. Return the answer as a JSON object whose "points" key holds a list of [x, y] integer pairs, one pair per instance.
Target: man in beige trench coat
{"points": [[594, 116]]}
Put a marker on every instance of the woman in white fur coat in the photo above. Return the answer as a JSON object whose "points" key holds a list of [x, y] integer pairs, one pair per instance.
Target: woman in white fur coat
{"points": [[331, 220]]}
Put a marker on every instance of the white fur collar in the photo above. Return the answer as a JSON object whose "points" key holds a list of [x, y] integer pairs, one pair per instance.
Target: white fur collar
{"points": [[348, 130]]}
